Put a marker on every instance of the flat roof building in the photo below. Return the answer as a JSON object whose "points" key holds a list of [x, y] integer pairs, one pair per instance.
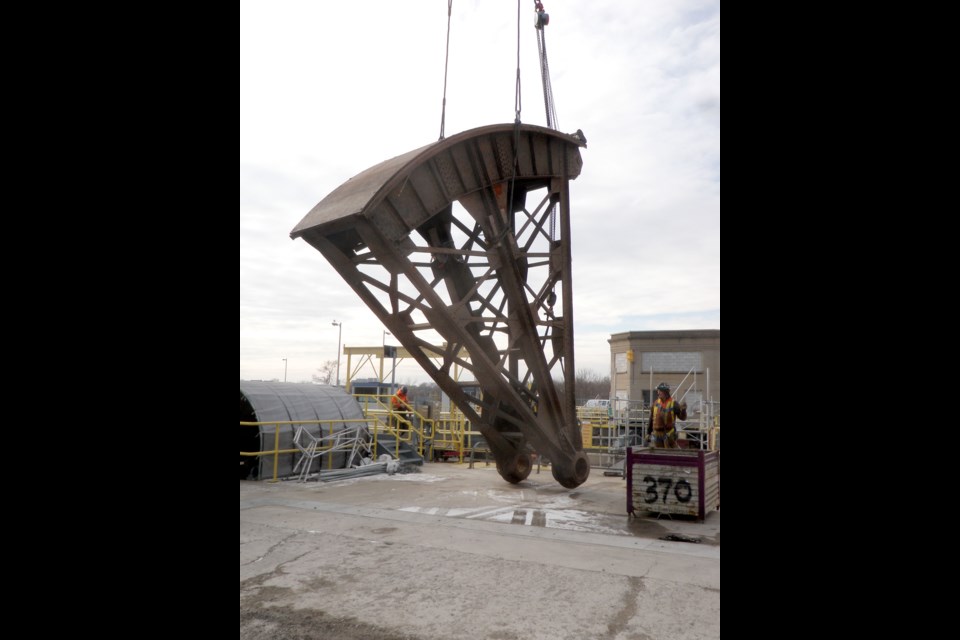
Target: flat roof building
{"points": [[688, 359]]}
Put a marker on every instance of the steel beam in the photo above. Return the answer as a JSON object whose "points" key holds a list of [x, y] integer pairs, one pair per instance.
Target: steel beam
{"points": [[466, 242]]}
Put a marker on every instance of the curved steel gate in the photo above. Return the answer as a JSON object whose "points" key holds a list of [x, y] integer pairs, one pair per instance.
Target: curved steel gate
{"points": [[463, 247]]}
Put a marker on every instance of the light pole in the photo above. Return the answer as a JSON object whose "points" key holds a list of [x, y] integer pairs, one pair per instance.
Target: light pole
{"points": [[339, 334], [284, 369], [383, 354]]}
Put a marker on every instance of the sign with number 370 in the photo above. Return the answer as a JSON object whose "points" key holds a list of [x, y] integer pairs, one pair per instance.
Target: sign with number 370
{"points": [[659, 489]]}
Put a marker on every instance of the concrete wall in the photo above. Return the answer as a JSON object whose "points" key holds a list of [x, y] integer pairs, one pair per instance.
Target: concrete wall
{"points": [[671, 354]]}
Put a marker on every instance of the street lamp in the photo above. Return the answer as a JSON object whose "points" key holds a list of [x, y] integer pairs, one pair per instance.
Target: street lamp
{"points": [[339, 334], [383, 354], [393, 353], [284, 369]]}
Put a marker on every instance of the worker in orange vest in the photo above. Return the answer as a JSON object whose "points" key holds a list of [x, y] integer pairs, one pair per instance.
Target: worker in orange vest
{"points": [[400, 405], [663, 418]]}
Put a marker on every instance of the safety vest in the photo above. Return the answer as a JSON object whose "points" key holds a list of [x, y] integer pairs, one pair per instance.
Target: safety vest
{"points": [[664, 414]]}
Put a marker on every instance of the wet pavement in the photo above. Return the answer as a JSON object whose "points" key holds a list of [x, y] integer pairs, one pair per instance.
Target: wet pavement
{"points": [[453, 552]]}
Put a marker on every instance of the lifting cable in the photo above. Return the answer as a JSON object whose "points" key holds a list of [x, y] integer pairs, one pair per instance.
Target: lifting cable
{"points": [[543, 19], [446, 61], [516, 99], [516, 134]]}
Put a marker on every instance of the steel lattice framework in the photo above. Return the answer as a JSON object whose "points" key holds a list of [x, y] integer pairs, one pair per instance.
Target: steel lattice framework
{"points": [[462, 250]]}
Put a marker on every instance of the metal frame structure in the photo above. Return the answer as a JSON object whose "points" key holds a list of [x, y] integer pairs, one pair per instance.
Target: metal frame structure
{"points": [[461, 247], [355, 440]]}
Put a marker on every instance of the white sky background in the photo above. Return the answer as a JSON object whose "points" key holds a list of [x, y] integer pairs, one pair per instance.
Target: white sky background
{"points": [[329, 89]]}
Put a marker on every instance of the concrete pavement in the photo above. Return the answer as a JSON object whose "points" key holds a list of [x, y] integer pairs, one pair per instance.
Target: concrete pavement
{"points": [[453, 552]]}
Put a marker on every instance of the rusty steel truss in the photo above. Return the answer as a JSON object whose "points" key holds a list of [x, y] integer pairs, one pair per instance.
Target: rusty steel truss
{"points": [[462, 250]]}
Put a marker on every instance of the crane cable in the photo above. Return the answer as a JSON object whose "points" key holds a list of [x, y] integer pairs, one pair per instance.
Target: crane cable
{"points": [[543, 19], [446, 61], [516, 136]]}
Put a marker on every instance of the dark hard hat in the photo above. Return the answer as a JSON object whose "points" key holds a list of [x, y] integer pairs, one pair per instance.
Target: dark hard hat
{"points": [[663, 386], [403, 389]]}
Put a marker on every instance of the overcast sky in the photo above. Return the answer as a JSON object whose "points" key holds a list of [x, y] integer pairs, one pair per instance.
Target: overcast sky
{"points": [[329, 89]]}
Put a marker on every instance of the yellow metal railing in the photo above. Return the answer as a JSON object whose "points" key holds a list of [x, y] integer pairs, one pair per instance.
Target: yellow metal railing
{"points": [[450, 433], [594, 415], [410, 427], [445, 433], [276, 451]]}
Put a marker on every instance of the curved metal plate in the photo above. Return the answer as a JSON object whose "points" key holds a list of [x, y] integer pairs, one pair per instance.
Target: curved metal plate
{"points": [[440, 173]]}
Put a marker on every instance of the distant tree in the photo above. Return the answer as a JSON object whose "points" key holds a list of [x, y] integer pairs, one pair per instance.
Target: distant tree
{"points": [[325, 373], [588, 384], [426, 392]]}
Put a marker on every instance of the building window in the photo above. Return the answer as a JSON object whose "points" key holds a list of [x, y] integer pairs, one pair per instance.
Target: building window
{"points": [[672, 361], [620, 362]]}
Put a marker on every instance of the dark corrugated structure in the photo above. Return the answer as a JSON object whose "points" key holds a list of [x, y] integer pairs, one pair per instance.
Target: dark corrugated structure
{"points": [[265, 401]]}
